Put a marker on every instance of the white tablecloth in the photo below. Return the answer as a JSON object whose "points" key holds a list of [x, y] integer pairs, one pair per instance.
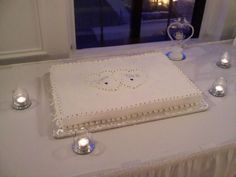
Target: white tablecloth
{"points": [[202, 144]]}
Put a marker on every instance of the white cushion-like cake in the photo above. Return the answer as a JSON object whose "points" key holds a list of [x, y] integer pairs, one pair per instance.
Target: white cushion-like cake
{"points": [[120, 91]]}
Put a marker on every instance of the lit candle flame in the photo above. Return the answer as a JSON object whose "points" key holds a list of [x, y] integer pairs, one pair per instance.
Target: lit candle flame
{"points": [[21, 99], [219, 88], [83, 142], [224, 61]]}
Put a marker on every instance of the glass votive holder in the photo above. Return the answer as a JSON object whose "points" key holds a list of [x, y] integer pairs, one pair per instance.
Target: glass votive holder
{"points": [[20, 99], [83, 142], [218, 88], [224, 61]]}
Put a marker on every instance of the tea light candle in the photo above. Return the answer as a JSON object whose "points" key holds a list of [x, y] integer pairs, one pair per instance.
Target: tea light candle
{"points": [[83, 144], [224, 62], [218, 88], [20, 99]]}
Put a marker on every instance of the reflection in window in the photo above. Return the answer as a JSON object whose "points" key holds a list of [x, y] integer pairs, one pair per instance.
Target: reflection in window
{"points": [[111, 22], [158, 14]]}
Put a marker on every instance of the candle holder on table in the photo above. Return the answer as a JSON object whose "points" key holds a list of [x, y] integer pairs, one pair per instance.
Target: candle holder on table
{"points": [[83, 142], [224, 61], [20, 99], [218, 88]]}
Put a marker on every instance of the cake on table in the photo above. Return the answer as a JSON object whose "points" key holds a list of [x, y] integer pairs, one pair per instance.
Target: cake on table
{"points": [[121, 91]]}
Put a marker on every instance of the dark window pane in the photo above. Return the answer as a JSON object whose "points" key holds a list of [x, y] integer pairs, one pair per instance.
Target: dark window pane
{"points": [[116, 22], [101, 23]]}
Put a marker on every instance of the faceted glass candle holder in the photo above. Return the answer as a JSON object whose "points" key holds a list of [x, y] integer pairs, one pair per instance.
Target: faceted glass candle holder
{"points": [[20, 99], [224, 61], [218, 88], [83, 142]]}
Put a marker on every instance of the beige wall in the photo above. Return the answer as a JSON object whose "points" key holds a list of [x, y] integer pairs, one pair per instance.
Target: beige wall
{"points": [[219, 20], [33, 28], [229, 29], [19, 26]]}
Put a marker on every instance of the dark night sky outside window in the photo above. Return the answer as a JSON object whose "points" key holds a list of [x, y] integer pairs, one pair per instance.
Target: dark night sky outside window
{"points": [[100, 23]]}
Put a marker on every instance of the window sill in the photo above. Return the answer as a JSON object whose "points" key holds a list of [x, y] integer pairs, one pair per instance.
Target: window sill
{"points": [[102, 52]]}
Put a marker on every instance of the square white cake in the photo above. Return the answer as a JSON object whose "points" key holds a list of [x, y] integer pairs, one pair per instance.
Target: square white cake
{"points": [[120, 91]]}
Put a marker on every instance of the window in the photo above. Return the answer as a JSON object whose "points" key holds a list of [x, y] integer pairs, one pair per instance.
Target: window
{"points": [[101, 23]]}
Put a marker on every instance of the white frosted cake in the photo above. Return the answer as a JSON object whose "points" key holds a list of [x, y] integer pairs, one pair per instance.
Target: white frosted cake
{"points": [[120, 91]]}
